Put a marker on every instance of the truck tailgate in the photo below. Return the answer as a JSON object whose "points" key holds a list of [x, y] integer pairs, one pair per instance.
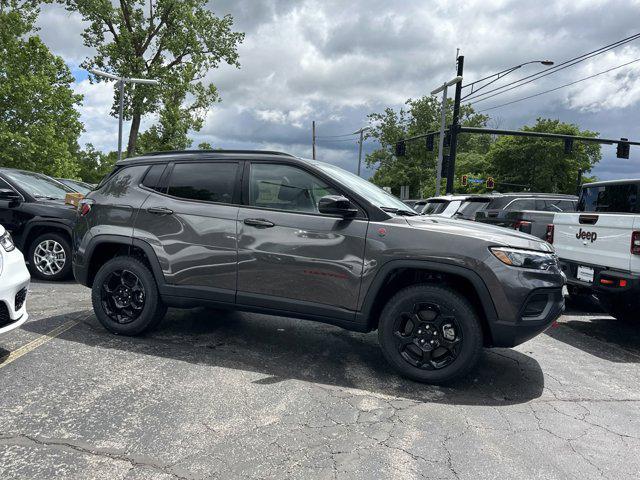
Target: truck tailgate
{"points": [[594, 238]]}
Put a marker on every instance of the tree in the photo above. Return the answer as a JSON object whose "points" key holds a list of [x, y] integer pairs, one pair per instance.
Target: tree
{"points": [[542, 164], [418, 167], [94, 165], [175, 42], [39, 123], [205, 146]]}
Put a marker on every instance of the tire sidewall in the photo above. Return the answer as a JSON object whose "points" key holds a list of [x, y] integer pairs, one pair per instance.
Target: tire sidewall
{"points": [[153, 309], [66, 245], [466, 318]]}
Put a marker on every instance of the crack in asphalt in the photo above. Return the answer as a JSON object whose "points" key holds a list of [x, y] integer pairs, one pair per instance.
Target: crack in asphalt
{"points": [[135, 461]]}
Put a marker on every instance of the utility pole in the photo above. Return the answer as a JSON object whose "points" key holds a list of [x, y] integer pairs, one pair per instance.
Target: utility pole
{"points": [[443, 125], [361, 132], [454, 128], [313, 139]]}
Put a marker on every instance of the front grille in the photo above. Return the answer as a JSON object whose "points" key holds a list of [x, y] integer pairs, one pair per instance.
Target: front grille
{"points": [[5, 319], [21, 296]]}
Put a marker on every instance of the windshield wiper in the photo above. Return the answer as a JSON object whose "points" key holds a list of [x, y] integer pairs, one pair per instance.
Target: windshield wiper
{"points": [[399, 211]]}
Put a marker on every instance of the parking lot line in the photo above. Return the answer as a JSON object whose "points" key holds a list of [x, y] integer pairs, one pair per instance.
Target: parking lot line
{"points": [[41, 340]]}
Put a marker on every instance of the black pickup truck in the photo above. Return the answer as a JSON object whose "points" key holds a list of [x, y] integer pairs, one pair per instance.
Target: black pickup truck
{"points": [[526, 212]]}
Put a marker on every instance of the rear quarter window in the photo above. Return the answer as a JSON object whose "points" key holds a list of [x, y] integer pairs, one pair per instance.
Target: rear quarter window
{"points": [[621, 198]]}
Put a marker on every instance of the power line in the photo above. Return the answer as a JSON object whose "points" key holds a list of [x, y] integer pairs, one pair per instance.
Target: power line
{"points": [[551, 70], [561, 86]]}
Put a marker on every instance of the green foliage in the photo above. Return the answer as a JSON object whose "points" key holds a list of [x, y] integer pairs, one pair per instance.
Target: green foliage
{"points": [[93, 164], [175, 42], [541, 164], [205, 146], [418, 167], [39, 123]]}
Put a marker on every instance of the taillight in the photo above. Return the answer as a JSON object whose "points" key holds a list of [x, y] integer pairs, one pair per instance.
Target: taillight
{"points": [[523, 226], [84, 206], [635, 243], [549, 235]]}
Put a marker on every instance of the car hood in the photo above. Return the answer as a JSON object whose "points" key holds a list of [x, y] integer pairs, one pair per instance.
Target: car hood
{"points": [[488, 233]]}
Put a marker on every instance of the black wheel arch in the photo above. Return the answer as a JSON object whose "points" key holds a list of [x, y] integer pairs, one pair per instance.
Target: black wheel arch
{"points": [[397, 274], [37, 226], [104, 247]]}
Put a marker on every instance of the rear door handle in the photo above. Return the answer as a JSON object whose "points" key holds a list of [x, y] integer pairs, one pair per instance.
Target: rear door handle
{"points": [[159, 210], [259, 222]]}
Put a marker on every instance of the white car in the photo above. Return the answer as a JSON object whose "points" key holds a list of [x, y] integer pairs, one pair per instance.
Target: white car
{"points": [[14, 284]]}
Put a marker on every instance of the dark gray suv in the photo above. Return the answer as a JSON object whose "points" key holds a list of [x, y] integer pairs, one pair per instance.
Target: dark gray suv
{"points": [[269, 232]]}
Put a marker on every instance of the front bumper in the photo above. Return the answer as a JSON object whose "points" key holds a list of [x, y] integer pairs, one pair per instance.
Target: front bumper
{"points": [[14, 285]]}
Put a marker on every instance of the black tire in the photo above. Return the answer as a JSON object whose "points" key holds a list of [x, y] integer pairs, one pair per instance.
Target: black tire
{"points": [[433, 305], [51, 271], [149, 311]]}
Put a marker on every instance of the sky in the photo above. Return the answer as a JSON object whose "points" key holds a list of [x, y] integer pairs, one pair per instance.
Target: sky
{"points": [[335, 62]]}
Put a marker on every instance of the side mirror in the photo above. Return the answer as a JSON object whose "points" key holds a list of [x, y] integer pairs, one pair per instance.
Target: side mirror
{"points": [[9, 195], [337, 205]]}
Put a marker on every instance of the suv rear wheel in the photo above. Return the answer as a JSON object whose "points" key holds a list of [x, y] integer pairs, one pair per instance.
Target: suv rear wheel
{"points": [[430, 334], [49, 257], [125, 297]]}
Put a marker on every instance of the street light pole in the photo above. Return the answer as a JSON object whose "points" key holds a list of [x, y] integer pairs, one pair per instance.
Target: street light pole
{"points": [[454, 128], [443, 121], [120, 82], [361, 132]]}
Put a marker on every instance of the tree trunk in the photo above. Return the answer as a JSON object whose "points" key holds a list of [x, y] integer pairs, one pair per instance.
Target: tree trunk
{"points": [[133, 134]]}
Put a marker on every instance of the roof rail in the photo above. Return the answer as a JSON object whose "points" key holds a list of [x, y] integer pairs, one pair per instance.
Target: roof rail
{"points": [[194, 152]]}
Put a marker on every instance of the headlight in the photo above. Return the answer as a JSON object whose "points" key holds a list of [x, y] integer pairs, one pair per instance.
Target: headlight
{"points": [[525, 258], [7, 242]]}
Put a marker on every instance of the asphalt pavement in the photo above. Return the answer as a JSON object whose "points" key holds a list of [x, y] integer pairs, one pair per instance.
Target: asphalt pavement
{"points": [[216, 394]]}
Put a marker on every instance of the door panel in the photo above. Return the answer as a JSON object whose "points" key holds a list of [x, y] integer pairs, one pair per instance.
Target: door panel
{"points": [[195, 241], [303, 257]]}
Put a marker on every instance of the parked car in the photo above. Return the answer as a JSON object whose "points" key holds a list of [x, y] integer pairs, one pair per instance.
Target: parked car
{"points": [[14, 284], [527, 212], [269, 232], [77, 185], [33, 210], [455, 206], [413, 203], [599, 246]]}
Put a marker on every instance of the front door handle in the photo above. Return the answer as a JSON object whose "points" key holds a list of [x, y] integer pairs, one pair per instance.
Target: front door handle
{"points": [[159, 210], [259, 222]]}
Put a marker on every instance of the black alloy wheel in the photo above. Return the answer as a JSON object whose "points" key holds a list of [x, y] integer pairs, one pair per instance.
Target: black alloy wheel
{"points": [[122, 296], [428, 336]]}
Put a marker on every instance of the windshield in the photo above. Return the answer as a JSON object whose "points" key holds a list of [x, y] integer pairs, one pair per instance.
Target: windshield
{"points": [[435, 207], [38, 185], [77, 186], [363, 187]]}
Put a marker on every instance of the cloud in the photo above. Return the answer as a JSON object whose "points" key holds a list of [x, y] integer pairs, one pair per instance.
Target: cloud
{"points": [[335, 62]]}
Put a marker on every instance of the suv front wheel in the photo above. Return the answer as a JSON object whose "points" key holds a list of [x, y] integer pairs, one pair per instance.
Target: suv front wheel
{"points": [[430, 334], [125, 297]]}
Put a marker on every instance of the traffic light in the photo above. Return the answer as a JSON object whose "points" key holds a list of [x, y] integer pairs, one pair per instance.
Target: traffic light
{"points": [[429, 143], [623, 149], [401, 149], [490, 183], [464, 181], [568, 146]]}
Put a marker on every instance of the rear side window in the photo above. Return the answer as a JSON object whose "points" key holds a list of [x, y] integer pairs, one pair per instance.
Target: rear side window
{"points": [[498, 203], [211, 181], [523, 204], [152, 178], [559, 206], [609, 198]]}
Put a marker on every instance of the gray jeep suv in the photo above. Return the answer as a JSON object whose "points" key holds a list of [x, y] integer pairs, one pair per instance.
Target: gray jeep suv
{"points": [[269, 232]]}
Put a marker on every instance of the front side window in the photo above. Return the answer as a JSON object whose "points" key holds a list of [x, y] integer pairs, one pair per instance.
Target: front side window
{"points": [[522, 205], [283, 187], [38, 185], [152, 178], [210, 181]]}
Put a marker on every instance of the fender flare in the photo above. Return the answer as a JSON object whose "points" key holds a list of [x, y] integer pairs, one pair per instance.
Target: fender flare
{"points": [[388, 268], [42, 222], [127, 242]]}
